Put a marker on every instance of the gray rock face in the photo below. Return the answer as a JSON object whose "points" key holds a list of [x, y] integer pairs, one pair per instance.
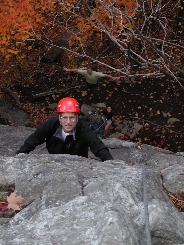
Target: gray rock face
{"points": [[74, 200], [12, 115]]}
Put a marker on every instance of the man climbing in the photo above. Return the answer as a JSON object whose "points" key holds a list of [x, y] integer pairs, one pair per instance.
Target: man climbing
{"points": [[91, 78], [67, 134]]}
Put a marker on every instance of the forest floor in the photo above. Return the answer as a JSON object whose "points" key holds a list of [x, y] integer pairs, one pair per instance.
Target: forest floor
{"points": [[156, 103]]}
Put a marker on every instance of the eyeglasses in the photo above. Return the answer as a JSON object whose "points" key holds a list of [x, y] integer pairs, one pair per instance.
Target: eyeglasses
{"points": [[71, 119]]}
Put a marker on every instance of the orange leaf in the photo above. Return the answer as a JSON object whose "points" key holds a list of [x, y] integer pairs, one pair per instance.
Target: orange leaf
{"points": [[13, 201]]}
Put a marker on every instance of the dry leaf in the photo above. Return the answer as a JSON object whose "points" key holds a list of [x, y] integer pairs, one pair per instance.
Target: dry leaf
{"points": [[172, 120], [138, 139], [164, 114], [13, 201], [131, 163], [84, 93]]}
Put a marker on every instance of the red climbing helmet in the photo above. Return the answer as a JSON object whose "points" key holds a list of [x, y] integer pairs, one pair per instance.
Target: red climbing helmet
{"points": [[68, 105]]}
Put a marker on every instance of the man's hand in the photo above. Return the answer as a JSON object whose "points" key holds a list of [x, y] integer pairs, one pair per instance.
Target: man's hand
{"points": [[116, 79], [65, 69]]}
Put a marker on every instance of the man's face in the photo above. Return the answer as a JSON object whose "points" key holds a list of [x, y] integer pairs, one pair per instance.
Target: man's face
{"points": [[89, 71], [68, 120]]}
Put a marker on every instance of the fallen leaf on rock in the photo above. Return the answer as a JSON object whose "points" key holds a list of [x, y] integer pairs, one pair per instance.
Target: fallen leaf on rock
{"points": [[123, 137], [13, 201], [139, 147], [131, 163], [3, 207], [138, 139]]}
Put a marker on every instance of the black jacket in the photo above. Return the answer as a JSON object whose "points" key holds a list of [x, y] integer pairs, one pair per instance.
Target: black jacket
{"points": [[50, 132]]}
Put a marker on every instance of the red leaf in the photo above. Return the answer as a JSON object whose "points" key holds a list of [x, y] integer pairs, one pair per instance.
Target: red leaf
{"points": [[4, 207], [131, 163]]}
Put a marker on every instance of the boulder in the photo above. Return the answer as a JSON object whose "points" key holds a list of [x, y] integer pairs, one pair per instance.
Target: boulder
{"points": [[11, 114], [75, 200]]}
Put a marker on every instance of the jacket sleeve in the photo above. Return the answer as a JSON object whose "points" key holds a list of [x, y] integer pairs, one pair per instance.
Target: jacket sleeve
{"points": [[36, 138], [104, 155], [30, 143]]}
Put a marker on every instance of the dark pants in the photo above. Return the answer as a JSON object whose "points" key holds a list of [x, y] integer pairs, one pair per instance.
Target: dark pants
{"points": [[93, 88]]}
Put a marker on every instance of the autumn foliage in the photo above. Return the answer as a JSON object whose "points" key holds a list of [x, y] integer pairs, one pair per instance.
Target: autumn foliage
{"points": [[24, 20], [127, 36], [19, 21]]}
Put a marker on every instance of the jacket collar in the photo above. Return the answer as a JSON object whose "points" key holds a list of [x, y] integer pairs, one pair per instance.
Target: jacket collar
{"points": [[76, 132]]}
